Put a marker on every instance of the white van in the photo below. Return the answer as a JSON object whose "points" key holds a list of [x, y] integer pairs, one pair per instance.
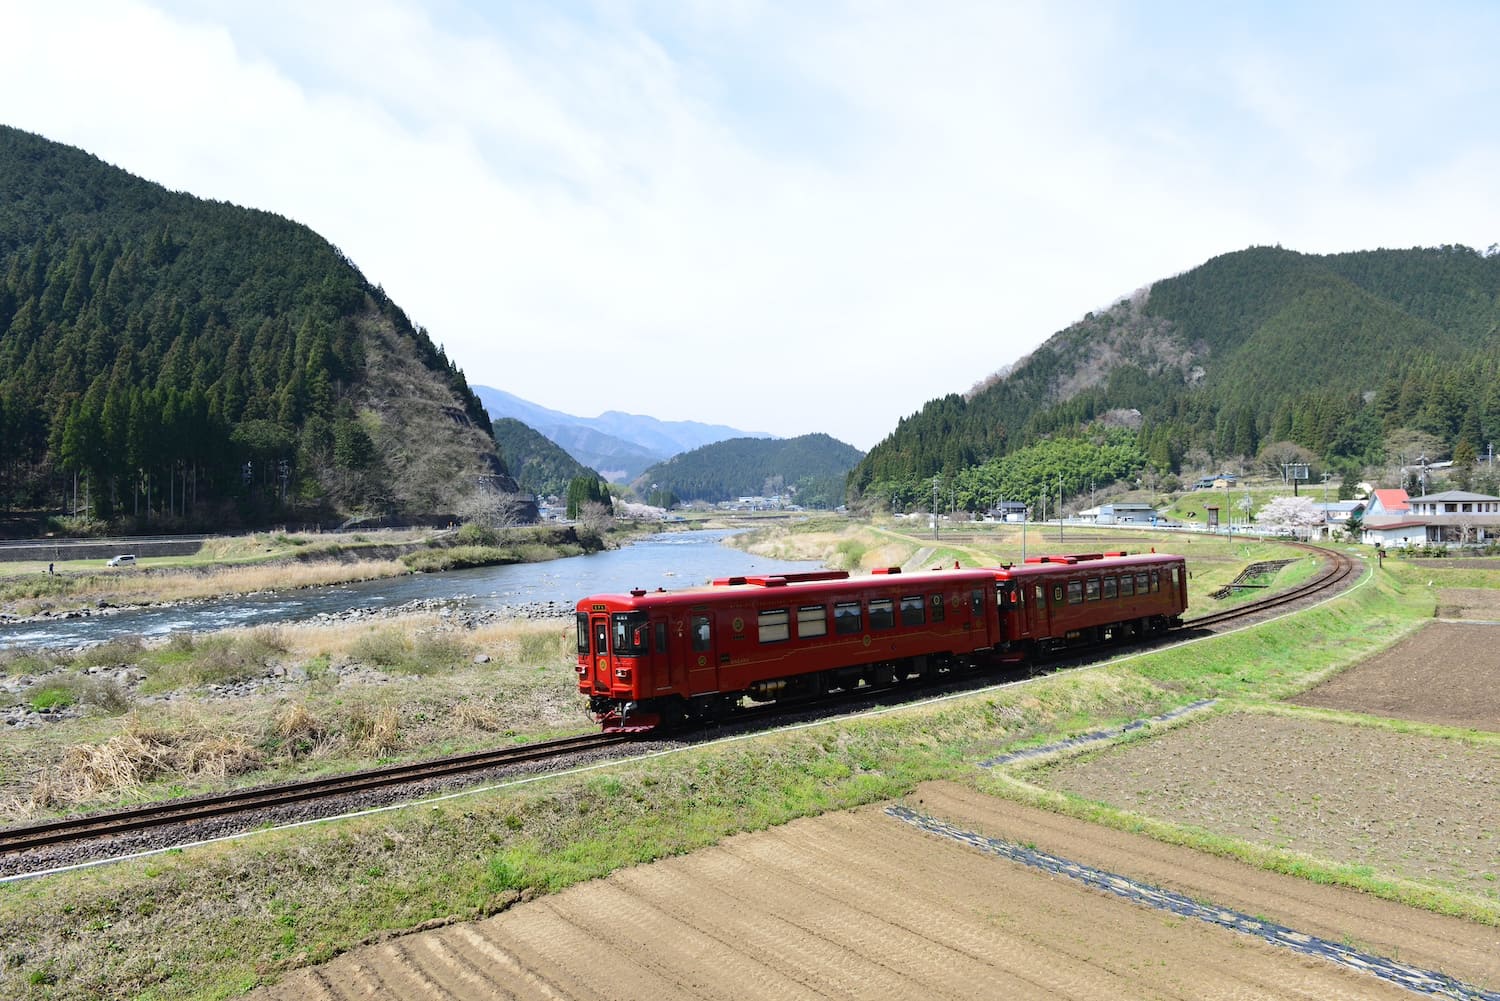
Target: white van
{"points": [[123, 560]]}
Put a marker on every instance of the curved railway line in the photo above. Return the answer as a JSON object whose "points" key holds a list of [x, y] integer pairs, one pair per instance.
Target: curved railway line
{"points": [[17, 842]]}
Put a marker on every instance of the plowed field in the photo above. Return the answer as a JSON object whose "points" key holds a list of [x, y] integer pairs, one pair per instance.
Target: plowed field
{"points": [[861, 905], [1445, 672]]}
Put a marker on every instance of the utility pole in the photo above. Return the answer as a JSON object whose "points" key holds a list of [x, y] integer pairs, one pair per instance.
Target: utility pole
{"points": [[1059, 508], [934, 507]]}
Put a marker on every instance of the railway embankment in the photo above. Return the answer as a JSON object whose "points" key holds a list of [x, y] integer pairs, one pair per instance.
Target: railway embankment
{"points": [[218, 919]]}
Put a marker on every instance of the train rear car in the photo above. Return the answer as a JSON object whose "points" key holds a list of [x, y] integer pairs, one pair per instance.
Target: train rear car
{"points": [[1050, 603]]}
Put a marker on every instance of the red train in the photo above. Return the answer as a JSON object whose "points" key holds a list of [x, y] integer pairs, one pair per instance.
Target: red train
{"points": [[658, 658]]}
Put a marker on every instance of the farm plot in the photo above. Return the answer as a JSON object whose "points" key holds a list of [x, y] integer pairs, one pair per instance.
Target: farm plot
{"points": [[1446, 672], [862, 905], [1468, 603], [1415, 807]]}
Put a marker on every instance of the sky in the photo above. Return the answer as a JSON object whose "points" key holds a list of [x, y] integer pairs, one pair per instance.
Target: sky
{"points": [[788, 217]]}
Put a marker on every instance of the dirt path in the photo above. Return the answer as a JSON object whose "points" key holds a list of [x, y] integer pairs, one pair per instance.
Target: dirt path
{"points": [[861, 905]]}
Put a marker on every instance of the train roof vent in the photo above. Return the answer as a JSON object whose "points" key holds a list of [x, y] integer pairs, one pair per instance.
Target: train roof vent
{"points": [[637, 592], [1055, 559], [781, 580], [886, 570]]}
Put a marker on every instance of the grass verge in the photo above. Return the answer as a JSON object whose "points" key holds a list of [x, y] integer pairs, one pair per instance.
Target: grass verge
{"points": [[215, 920]]}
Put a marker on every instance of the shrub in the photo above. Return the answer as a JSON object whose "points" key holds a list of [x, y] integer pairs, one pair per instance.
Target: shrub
{"points": [[52, 696], [475, 534]]}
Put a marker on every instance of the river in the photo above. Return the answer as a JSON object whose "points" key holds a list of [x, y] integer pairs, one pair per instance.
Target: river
{"points": [[669, 560]]}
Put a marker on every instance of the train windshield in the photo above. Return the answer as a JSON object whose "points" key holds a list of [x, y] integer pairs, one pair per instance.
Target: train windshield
{"points": [[631, 638]]}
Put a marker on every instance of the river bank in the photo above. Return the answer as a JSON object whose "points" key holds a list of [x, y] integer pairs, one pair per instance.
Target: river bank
{"points": [[252, 565]]}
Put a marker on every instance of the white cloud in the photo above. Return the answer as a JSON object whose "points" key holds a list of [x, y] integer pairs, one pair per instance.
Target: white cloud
{"points": [[783, 217]]}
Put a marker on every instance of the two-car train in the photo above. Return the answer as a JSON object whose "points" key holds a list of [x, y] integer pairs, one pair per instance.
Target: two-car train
{"points": [[648, 659]]}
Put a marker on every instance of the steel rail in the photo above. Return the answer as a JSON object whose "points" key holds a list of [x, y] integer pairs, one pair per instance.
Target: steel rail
{"points": [[74, 829], [1337, 568]]}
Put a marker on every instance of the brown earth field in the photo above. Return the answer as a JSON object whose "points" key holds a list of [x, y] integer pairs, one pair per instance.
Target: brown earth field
{"points": [[1446, 673], [1468, 603], [862, 905], [1420, 808]]}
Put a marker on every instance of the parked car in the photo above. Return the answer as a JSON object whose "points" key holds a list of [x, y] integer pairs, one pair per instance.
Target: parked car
{"points": [[123, 560]]}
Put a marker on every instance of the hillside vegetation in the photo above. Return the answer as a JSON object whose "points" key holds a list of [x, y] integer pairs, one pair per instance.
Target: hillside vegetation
{"points": [[811, 468], [1337, 355], [166, 360], [539, 465]]}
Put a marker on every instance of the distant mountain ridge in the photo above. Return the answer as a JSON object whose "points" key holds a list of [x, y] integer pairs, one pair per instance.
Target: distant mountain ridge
{"points": [[1332, 353], [619, 445], [170, 361], [809, 469]]}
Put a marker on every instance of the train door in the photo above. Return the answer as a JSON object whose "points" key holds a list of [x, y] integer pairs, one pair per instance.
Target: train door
{"points": [[703, 664], [667, 671], [600, 628]]}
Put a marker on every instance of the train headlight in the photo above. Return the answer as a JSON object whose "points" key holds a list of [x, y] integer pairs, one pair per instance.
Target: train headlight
{"points": [[622, 673]]}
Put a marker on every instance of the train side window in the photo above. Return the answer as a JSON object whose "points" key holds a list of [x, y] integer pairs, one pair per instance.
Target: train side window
{"points": [[1127, 586], [1091, 589], [1075, 592], [1110, 587], [702, 634], [882, 613], [812, 620], [1155, 581], [583, 633], [661, 637], [1142, 584], [1040, 594], [847, 618], [631, 638], [976, 602], [775, 625], [913, 610], [1175, 580], [937, 608]]}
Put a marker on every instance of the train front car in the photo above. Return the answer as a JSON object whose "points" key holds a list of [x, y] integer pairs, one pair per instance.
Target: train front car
{"points": [[648, 659], [615, 660]]}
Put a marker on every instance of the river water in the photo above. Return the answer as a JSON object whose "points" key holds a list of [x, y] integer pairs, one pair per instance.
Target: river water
{"points": [[670, 560]]}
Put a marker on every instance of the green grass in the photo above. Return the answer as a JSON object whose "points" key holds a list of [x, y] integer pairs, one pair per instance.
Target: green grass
{"points": [[212, 921], [192, 661], [392, 649]]}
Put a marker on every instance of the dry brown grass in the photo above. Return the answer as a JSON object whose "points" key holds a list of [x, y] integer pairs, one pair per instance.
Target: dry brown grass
{"points": [[140, 754], [476, 716], [375, 731]]}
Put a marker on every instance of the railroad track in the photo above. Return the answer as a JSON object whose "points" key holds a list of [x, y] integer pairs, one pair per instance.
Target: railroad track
{"points": [[76, 829], [1337, 568]]}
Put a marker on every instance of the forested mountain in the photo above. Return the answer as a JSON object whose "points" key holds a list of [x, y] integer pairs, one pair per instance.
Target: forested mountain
{"points": [[166, 360], [810, 468], [1335, 353], [537, 463], [618, 444]]}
